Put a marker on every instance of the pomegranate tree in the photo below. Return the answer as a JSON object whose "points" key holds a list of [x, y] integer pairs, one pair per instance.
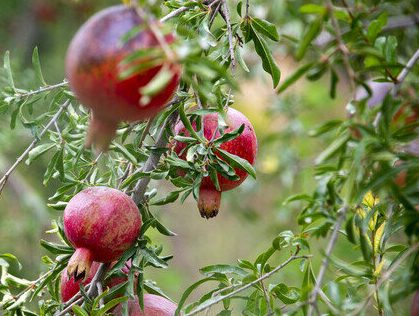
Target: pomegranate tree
{"points": [[243, 146], [154, 305], [94, 68], [101, 223]]}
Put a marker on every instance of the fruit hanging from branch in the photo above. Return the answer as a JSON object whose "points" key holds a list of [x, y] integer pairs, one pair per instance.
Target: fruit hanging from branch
{"points": [[154, 305], [101, 223], [244, 146], [118, 75]]}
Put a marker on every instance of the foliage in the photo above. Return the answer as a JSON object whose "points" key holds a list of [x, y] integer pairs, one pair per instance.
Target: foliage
{"points": [[359, 198]]}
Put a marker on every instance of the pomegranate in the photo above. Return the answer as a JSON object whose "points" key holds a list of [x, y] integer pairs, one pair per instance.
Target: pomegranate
{"points": [[70, 287], [93, 67], [101, 223], [244, 146], [154, 305]]}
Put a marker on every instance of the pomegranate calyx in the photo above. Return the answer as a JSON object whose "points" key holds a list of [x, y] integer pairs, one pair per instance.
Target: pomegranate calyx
{"points": [[209, 202], [79, 264]]}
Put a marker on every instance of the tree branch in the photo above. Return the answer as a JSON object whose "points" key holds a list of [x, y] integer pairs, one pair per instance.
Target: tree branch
{"points": [[151, 163], [325, 262], [4, 179], [226, 12], [41, 90], [342, 47], [248, 285]]}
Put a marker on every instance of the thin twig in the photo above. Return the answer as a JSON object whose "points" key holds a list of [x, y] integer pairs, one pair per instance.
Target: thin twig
{"points": [[41, 90], [267, 299], [248, 285], [174, 13], [3, 180], [247, 9], [325, 262], [226, 12], [342, 47], [385, 276], [400, 79], [403, 74], [100, 292]]}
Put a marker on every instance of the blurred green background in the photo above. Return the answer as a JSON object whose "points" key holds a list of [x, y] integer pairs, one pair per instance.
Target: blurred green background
{"points": [[250, 217]]}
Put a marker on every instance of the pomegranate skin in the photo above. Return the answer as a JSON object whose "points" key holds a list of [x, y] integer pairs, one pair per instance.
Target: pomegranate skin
{"points": [[245, 146], [101, 223], [70, 287], [414, 310], [93, 67], [154, 305]]}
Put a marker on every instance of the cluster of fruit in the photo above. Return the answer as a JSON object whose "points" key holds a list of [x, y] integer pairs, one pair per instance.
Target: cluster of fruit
{"points": [[100, 222]]}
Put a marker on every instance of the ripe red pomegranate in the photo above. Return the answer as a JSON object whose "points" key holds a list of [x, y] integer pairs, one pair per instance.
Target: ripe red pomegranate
{"points": [[70, 287], [93, 68], [101, 223], [154, 305], [244, 146]]}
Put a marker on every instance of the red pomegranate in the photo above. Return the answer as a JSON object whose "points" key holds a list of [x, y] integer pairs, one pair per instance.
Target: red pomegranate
{"points": [[70, 287], [93, 67], [154, 305], [244, 146], [101, 223]]}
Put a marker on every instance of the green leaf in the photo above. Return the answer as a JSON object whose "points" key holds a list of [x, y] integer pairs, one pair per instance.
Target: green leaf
{"points": [[326, 127], [241, 61], [333, 148], [237, 162], [170, 198], [288, 295], [312, 8], [111, 304], [311, 33], [294, 77], [150, 257], [38, 151], [124, 151], [8, 68], [56, 249], [265, 28], [188, 292], [223, 269], [79, 311], [268, 62], [158, 83], [37, 66], [229, 136]]}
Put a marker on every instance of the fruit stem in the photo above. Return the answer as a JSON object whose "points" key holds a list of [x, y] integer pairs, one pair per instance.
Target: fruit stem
{"points": [[209, 202], [101, 132], [79, 264]]}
